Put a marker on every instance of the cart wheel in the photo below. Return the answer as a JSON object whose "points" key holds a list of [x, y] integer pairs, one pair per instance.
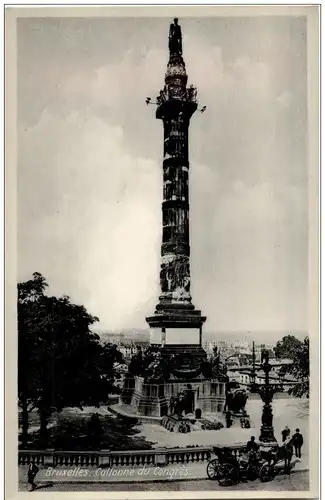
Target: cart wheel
{"points": [[267, 473], [212, 468], [228, 475]]}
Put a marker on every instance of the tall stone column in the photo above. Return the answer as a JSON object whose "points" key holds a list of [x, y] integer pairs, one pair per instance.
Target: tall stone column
{"points": [[176, 104], [176, 325]]}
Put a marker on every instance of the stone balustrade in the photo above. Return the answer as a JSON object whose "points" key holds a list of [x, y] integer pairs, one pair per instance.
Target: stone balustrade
{"points": [[131, 458]]}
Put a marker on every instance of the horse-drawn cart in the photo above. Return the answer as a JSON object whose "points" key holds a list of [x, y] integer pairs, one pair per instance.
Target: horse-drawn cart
{"points": [[229, 470]]}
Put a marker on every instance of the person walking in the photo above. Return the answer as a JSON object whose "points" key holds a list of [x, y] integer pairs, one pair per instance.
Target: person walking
{"points": [[285, 433], [297, 441], [31, 475]]}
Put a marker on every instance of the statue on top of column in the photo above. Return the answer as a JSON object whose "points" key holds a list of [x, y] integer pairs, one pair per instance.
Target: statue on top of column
{"points": [[175, 39]]}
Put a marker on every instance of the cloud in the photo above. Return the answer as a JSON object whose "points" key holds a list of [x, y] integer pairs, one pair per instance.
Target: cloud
{"points": [[243, 250], [92, 226], [90, 175]]}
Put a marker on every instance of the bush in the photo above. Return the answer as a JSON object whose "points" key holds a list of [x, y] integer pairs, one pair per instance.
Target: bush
{"points": [[212, 426], [96, 432]]}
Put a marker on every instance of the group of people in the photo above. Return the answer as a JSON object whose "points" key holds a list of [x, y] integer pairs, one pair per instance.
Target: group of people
{"points": [[296, 440], [273, 455]]}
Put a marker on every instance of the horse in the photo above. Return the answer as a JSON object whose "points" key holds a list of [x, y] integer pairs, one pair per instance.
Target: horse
{"points": [[284, 452]]}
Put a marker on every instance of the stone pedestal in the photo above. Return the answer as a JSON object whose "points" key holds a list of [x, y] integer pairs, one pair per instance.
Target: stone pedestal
{"points": [[148, 399], [153, 399]]}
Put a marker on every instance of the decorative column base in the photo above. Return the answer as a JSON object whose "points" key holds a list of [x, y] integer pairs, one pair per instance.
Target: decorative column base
{"points": [[267, 438], [176, 326]]}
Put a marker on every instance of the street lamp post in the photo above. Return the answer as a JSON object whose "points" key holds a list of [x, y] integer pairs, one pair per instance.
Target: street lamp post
{"points": [[266, 391]]}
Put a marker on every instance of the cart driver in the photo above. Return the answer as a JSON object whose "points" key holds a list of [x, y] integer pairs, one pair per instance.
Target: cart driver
{"points": [[252, 445], [252, 450]]}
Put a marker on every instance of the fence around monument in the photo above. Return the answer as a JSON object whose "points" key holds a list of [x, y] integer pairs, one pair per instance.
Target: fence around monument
{"points": [[127, 458]]}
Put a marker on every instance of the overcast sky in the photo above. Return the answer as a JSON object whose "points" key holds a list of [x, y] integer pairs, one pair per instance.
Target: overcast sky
{"points": [[90, 166]]}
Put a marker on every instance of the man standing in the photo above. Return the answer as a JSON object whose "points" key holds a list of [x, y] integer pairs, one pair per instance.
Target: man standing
{"points": [[228, 419], [31, 474], [285, 433], [297, 441]]}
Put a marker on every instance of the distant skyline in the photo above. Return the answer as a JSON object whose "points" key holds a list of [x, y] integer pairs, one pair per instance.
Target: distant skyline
{"points": [[267, 337], [90, 173]]}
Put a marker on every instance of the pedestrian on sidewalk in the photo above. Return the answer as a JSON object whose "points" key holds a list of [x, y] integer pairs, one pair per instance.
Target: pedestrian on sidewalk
{"points": [[297, 441], [228, 419], [31, 475], [285, 433]]}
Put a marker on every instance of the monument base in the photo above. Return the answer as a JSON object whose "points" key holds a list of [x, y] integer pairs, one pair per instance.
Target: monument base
{"points": [[151, 398], [148, 399], [181, 365], [267, 439]]}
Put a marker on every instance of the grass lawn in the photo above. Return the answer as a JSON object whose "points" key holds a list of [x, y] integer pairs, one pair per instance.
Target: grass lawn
{"points": [[75, 429]]}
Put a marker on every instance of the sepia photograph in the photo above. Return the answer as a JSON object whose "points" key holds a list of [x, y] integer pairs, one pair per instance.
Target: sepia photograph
{"points": [[162, 251]]}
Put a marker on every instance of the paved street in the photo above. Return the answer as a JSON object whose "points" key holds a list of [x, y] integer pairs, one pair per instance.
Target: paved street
{"points": [[286, 411], [296, 482]]}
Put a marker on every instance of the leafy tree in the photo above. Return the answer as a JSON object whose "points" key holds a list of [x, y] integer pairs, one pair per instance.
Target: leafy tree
{"points": [[299, 369], [287, 347], [136, 366], [30, 294], [60, 361], [298, 351], [111, 358]]}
